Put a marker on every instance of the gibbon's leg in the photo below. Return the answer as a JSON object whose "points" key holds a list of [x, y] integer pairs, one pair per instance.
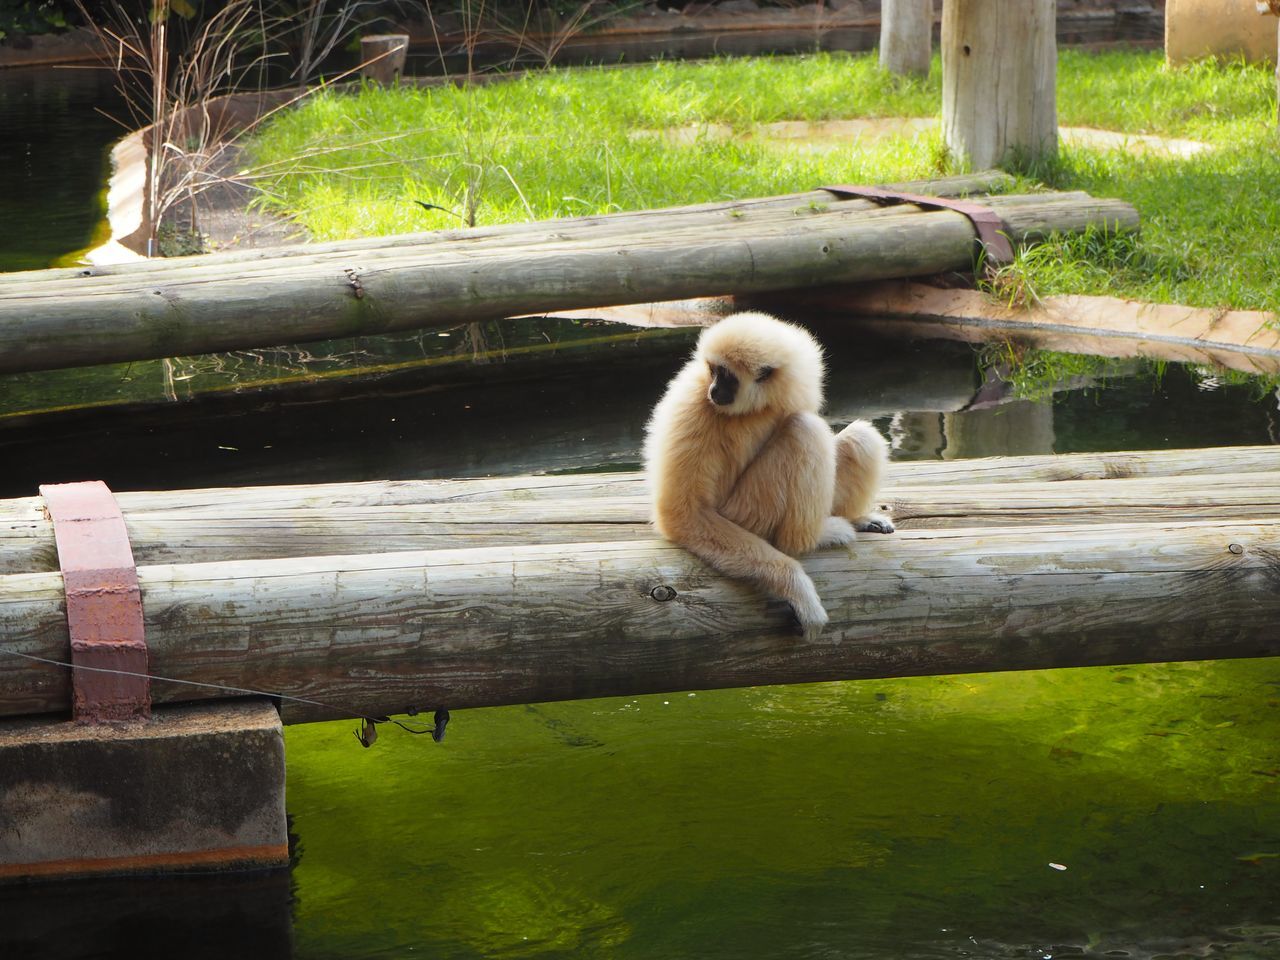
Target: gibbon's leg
{"points": [[861, 456], [785, 494], [739, 553]]}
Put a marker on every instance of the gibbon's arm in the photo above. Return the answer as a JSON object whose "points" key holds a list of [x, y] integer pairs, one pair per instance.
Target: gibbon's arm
{"points": [[741, 554]]}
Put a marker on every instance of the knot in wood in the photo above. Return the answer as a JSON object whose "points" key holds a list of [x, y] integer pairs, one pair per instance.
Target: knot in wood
{"points": [[662, 592], [1236, 548]]}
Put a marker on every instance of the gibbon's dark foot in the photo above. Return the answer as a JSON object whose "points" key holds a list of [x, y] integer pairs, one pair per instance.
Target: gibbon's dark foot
{"points": [[874, 524]]}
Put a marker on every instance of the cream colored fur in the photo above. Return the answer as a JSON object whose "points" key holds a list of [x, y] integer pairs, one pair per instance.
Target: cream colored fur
{"points": [[750, 485]]}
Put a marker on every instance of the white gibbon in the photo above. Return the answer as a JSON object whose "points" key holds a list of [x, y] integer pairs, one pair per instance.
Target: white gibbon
{"points": [[746, 475]]}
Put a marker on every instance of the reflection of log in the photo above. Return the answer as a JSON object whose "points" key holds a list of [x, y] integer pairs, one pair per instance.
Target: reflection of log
{"points": [[210, 304], [1244, 340]]}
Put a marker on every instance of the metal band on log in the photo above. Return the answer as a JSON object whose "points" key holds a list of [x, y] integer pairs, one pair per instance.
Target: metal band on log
{"points": [[103, 604], [992, 231]]}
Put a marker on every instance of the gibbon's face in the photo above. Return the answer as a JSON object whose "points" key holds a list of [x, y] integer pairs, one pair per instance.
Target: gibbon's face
{"points": [[754, 362], [738, 388]]}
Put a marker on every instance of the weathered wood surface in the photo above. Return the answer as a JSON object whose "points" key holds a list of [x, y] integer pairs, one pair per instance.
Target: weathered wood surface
{"points": [[1245, 340], [456, 628], [317, 523], [906, 36], [208, 305], [382, 57], [982, 182], [999, 67]]}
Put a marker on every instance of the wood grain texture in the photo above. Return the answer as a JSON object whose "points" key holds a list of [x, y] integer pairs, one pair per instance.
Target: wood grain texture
{"points": [[382, 633], [999, 65], [208, 305], [189, 526], [906, 36]]}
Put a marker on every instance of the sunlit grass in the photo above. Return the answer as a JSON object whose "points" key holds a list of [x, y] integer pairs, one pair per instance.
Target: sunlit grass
{"points": [[571, 142]]}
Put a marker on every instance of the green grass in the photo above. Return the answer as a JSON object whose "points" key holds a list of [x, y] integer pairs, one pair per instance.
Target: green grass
{"points": [[569, 142]]}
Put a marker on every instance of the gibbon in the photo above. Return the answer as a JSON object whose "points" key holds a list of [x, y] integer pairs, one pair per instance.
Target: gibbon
{"points": [[746, 475]]}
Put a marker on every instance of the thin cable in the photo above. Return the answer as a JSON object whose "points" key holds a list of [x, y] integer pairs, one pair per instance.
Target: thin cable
{"points": [[347, 714]]}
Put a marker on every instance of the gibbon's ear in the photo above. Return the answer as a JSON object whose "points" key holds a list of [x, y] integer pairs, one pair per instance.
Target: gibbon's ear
{"points": [[764, 374]]}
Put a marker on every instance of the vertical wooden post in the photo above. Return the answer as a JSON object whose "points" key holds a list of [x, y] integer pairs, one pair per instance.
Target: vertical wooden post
{"points": [[383, 57], [906, 36], [999, 65]]}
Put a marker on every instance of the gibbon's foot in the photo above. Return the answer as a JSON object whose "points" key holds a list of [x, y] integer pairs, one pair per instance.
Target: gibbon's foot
{"points": [[874, 523], [836, 532]]}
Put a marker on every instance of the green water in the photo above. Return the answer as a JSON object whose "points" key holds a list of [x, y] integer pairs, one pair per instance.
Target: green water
{"points": [[910, 818], [56, 128]]}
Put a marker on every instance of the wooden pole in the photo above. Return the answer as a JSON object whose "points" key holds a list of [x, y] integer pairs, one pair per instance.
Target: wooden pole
{"points": [[999, 61], [383, 57], [906, 36], [211, 306], [390, 633]]}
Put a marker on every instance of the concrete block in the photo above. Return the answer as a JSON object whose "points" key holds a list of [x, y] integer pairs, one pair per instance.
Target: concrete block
{"points": [[198, 787], [1218, 28]]}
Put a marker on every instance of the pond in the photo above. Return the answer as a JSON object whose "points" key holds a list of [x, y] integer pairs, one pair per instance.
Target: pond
{"points": [[1129, 812]]}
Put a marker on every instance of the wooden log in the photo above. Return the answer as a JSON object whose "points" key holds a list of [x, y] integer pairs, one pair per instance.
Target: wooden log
{"points": [[999, 65], [189, 526], [382, 634], [983, 182], [382, 57], [906, 36], [243, 528], [301, 299]]}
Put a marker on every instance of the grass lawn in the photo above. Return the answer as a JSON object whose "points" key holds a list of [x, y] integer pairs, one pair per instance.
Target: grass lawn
{"points": [[568, 142]]}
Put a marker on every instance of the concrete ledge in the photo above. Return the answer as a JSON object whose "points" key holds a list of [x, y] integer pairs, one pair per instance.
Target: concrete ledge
{"points": [[199, 787]]}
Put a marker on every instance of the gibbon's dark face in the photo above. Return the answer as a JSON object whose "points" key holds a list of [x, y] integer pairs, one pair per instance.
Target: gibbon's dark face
{"points": [[724, 385]]}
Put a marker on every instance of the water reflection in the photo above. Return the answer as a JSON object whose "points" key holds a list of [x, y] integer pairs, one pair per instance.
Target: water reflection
{"points": [[54, 162]]}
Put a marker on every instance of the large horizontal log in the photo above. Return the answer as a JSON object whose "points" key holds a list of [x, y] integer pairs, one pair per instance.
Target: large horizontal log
{"points": [[382, 634], [209, 306], [190, 526], [246, 527], [983, 182]]}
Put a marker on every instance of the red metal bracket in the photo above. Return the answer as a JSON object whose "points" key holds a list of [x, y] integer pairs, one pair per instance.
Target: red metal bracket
{"points": [[104, 604], [991, 229]]}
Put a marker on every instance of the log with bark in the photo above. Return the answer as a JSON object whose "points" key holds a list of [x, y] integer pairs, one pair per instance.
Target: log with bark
{"points": [[373, 634], [227, 302]]}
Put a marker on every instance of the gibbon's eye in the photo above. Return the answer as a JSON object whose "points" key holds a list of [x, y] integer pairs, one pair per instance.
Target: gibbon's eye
{"points": [[764, 374]]}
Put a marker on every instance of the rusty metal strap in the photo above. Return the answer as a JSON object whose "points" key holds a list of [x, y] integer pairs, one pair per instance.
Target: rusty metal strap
{"points": [[104, 604], [992, 231]]}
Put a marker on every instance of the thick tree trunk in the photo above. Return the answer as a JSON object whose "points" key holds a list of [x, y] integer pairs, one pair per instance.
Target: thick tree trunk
{"points": [[999, 61], [906, 36]]}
